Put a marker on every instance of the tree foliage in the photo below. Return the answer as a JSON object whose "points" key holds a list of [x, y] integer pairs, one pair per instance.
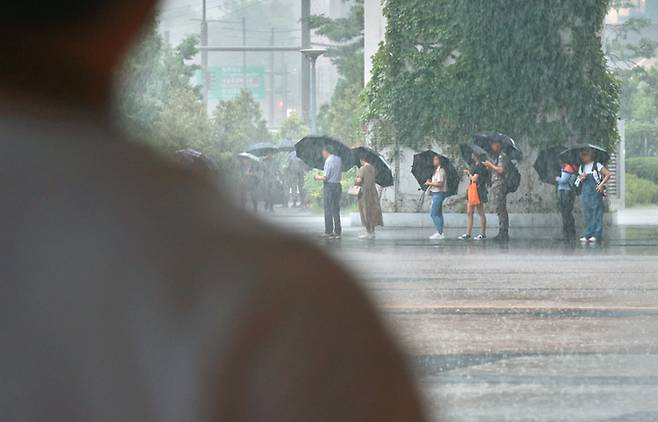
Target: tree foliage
{"points": [[534, 70], [293, 129], [238, 123], [342, 117], [157, 102]]}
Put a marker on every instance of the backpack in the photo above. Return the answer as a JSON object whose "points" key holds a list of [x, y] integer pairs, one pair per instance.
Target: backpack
{"points": [[453, 181], [512, 178]]}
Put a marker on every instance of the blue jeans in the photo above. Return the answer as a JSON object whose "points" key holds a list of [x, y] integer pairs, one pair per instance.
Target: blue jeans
{"points": [[437, 210], [592, 208]]}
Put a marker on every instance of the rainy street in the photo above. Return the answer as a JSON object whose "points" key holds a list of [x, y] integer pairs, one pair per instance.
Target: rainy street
{"points": [[533, 331]]}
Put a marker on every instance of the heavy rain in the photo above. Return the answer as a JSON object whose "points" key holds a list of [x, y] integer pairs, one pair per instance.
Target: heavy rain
{"points": [[340, 210]]}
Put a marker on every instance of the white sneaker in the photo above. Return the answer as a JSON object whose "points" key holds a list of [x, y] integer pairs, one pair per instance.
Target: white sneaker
{"points": [[593, 239], [464, 237], [480, 237], [364, 236], [584, 240], [437, 236]]}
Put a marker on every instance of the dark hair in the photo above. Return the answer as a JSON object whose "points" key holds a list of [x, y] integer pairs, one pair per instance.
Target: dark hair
{"points": [[330, 149], [49, 13]]}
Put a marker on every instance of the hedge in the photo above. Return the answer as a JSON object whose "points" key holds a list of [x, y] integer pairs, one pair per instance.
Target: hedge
{"points": [[640, 191], [643, 167]]}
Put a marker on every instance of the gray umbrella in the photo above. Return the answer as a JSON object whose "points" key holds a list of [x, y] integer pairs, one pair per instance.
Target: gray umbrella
{"points": [[263, 149]]}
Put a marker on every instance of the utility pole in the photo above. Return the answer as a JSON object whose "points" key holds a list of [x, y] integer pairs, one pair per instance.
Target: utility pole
{"points": [[204, 57], [306, 65], [244, 53], [272, 91], [285, 92], [312, 55]]}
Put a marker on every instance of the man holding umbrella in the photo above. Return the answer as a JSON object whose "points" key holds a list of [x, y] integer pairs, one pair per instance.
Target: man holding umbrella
{"points": [[333, 168], [498, 168]]}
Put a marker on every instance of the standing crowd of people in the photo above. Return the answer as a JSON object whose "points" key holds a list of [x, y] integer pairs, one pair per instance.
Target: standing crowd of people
{"points": [[270, 181], [490, 180]]}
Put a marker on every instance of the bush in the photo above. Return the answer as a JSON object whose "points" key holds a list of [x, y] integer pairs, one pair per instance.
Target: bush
{"points": [[644, 168], [640, 191]]}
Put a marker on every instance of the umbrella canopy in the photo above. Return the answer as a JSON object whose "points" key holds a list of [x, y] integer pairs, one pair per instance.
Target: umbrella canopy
{"points": [[467, 150], [309, 150], [548, 164], [572, 154], [245, 156], [485, 139], [263, 149], [423, 167], [384, 177], [195, 159]]}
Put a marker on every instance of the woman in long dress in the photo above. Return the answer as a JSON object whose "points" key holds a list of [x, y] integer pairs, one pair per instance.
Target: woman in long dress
{"points": [[369, 208]]}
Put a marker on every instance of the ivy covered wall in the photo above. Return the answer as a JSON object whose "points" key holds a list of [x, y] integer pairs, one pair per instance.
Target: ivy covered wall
{"points": [[532, 69]]}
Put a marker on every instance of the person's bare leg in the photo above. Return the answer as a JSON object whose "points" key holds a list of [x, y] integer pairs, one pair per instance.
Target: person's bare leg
{"points": [[469, 220], [483, 220]]}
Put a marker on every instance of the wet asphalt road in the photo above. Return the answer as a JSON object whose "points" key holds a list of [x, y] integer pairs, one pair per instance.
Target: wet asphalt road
{"points": [[536, 330]]}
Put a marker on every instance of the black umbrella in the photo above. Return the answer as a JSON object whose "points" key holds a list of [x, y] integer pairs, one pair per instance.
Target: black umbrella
{"points": [[468, 150], [423, 167], [309, 150], [384, 177], [572, 154], [195, 159], [485, 139], [263, 149], [548, 164]]}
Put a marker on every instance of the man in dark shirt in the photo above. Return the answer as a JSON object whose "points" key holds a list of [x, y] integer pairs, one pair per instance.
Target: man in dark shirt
{"points": [[132, 289], [498, 168]]}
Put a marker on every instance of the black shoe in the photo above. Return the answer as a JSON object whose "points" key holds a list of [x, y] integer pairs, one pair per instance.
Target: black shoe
{"points": [[501, 238]]}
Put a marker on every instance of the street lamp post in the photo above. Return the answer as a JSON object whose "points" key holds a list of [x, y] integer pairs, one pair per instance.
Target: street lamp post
{"points": [[312, 55]]}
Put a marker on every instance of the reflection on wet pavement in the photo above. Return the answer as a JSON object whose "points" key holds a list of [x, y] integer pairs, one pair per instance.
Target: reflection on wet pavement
{"points": [[534, 330]]}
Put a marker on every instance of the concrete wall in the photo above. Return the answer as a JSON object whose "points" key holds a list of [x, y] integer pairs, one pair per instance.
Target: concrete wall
{"points": [[375, 28]]}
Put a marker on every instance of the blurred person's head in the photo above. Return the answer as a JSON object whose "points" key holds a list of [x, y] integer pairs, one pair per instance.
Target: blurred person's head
{"points": [[364, 160], [67, 50], [327, 151], [496, 147], [436, 161], [587, 155]]}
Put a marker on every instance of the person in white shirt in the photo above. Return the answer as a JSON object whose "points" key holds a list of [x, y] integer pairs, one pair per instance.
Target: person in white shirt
{"points": [[592, 180], [438, 187], [133, 289]]}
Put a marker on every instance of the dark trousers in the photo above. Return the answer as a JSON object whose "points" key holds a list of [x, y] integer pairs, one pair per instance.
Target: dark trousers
{"points": [[500, 203], [567, 199], [332, 194]]}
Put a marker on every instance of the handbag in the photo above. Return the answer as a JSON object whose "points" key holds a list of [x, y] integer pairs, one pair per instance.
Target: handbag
{"points": [[473, 195], [354, 190]]}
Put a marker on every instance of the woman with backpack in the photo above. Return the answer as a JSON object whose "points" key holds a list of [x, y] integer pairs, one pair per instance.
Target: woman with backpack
{"points": [[477, 196], [592, 180], [438, 187]]}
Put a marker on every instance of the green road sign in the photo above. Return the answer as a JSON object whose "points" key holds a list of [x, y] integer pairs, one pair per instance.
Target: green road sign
{"points": [[226, 82]]}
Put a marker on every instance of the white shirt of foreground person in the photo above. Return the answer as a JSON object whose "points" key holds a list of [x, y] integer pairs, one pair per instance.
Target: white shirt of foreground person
{"points": [[133, 291]]}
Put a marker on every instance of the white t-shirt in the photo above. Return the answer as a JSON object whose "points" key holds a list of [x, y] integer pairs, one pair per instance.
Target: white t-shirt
{"points": [[588, 169], [439, 176]]}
